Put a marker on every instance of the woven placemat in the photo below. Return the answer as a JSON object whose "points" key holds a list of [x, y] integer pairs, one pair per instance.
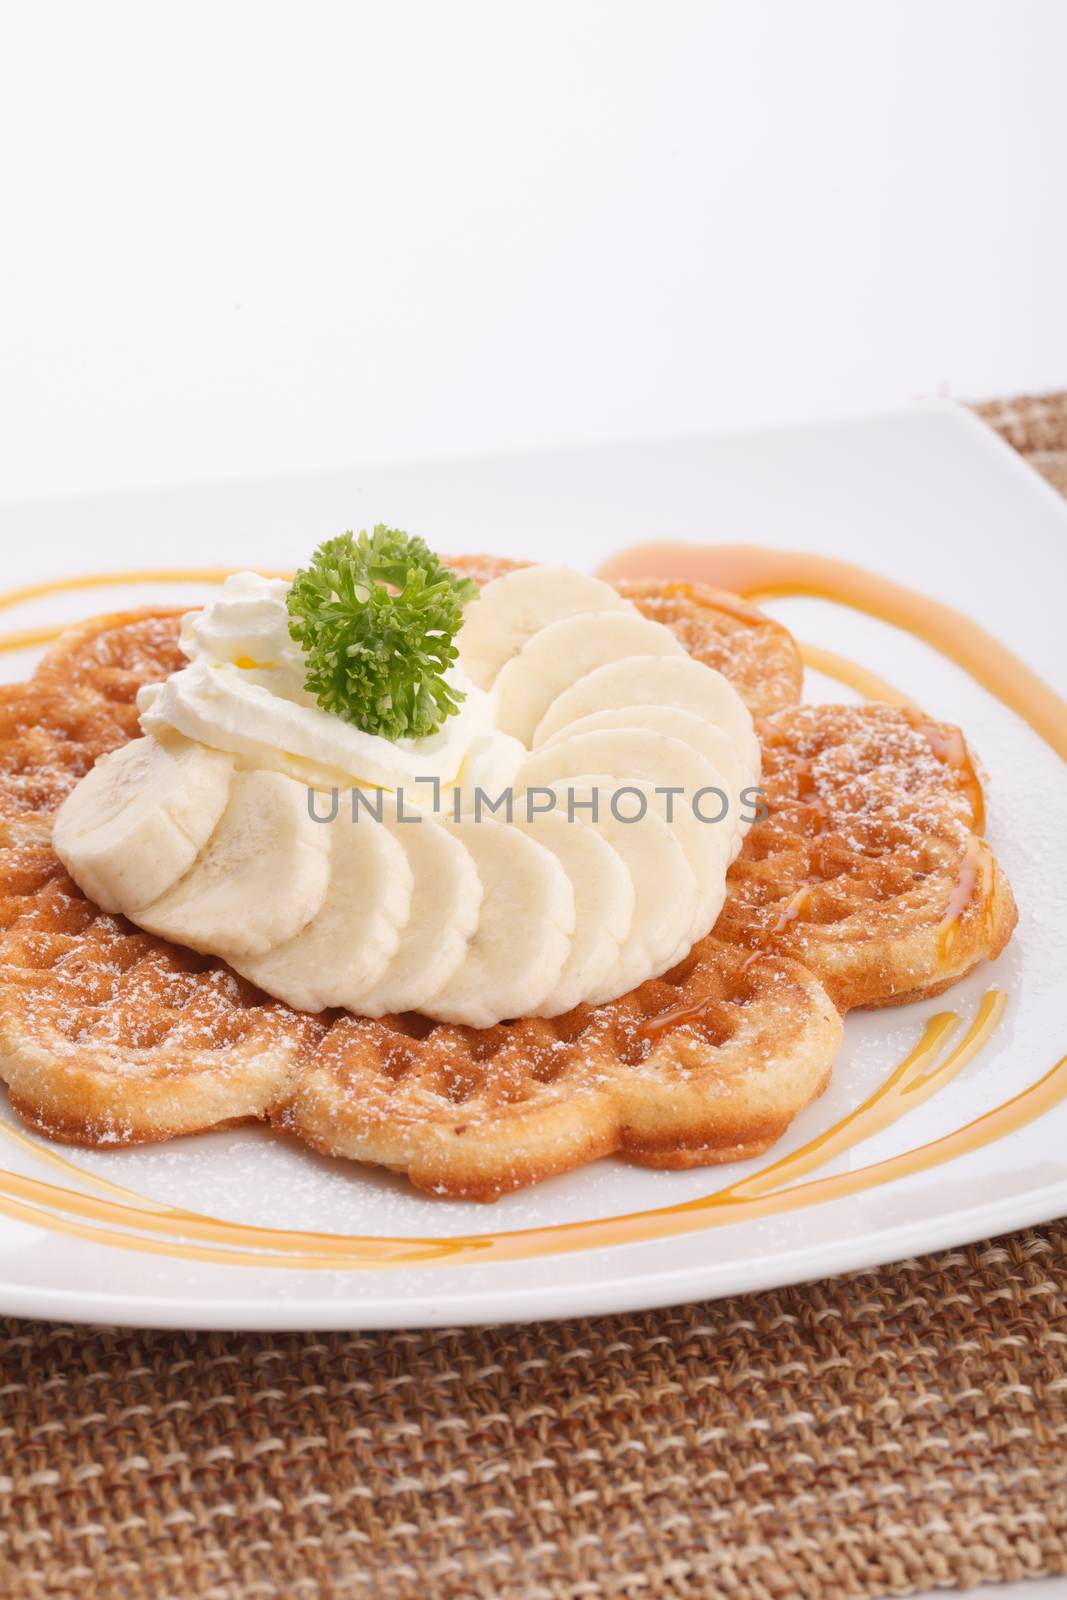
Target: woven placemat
{"points": [[874, 1434]]}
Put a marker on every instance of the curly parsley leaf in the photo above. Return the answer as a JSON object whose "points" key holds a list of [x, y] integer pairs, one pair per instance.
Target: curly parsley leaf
{"points": [[375, 617]]}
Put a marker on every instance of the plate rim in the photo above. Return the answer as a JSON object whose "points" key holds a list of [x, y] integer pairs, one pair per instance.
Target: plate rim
{"points": [[678, 1286]]}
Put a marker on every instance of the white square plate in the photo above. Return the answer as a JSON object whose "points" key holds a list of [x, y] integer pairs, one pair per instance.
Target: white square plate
{"points": [[928, 497]]}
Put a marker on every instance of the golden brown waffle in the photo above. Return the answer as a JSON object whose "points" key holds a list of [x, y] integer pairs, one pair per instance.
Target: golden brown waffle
{"points": [[48, 741], [708, 1064], [79, 704], [869, 867], [107, 658], [757, 654], [109, 1036]]}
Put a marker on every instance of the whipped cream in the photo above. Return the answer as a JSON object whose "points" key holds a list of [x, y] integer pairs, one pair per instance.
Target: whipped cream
{"points": [[243, 692]]}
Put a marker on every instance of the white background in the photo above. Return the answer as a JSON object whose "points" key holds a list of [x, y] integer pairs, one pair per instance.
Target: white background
{"points": [[259, 236]]}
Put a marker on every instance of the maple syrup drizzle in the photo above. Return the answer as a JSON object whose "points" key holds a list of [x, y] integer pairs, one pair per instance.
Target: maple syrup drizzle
{"points": [[749, 571], [913, 1081], [793, 908], [756, 572], [123, 575], [949, 746], [974, 876], [30, 638], [866, 683], [52, 1158], [677, 1017]]}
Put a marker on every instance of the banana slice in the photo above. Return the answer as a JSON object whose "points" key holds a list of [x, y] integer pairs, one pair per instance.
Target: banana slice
{"points": [[135, 823], [524, 930], [513, 608], [260, 878], [562, 651], [603, 908], [490, 765], [664, 887], [712, 742], [446, 897], [354, 935], [662, 681], [627, 754]]}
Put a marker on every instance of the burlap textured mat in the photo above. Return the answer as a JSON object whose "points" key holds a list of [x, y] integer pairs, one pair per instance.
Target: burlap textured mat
{"points": [[875, 1434]]}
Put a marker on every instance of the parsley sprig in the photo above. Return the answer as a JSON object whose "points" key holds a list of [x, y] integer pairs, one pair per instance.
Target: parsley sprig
{"points": [[375, 617]]}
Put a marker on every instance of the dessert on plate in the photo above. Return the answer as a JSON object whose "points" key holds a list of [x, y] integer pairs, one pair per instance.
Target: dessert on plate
{"points": [[471, 869]]}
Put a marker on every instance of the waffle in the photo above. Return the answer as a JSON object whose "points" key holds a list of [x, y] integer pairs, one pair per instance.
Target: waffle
{"points": [[110, 1036], [870, 867], [104, 660], [48, 741], [708, 1064], [79, 704], [757, 654]]}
